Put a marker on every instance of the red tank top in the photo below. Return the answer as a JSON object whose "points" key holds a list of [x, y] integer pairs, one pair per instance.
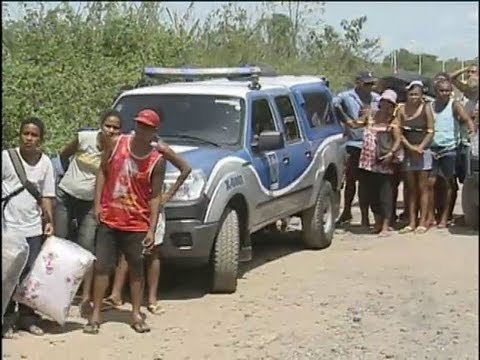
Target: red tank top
{"points": [[128, 188]]}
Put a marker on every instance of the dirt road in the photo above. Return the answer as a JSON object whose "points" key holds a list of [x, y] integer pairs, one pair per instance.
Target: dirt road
{"points": [[401, 297]]}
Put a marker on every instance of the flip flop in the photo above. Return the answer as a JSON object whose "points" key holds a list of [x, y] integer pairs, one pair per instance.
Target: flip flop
{"points": [[109, 303], [155, 309], [9, 334], [407, 229], [34, 330], [92, 328], [421, 230], [384, 234], [140, 327]]}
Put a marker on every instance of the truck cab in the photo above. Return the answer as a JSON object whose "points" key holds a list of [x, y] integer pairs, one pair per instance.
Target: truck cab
{"points": [[262, 148]]}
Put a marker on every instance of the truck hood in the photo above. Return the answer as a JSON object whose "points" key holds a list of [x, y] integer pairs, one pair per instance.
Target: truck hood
{"points": [[199, 157]]}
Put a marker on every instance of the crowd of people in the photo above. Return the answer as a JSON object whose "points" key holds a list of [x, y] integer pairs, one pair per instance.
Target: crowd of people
{"points": [[420, 141], [110, 199]]}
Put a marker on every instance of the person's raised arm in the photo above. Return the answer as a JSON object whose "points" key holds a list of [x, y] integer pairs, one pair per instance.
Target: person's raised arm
{"points": [[338, 102], [158, 176], [458, 83], [181, 165], [108, 147], [68, 151], [462, 115]]}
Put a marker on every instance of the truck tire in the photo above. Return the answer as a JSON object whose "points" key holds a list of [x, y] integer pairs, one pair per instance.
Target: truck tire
{"points": [[225, 254], [470, 202], [318, 223]]}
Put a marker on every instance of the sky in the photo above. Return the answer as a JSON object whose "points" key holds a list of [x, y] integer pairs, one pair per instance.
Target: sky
{"points": [[445, 29]]}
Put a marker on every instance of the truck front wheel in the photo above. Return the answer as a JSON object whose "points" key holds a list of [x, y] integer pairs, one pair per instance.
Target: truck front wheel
{"points": [[225, 254]]}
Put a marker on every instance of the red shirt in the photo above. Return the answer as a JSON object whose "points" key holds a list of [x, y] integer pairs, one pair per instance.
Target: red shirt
{"points": [[128, 188]]}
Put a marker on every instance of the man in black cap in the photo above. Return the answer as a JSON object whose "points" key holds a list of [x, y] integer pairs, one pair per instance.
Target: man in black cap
{"points": [[352, 104]]}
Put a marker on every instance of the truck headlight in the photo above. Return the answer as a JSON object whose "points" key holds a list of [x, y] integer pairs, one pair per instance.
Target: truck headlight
{"points": [[190, 190]]}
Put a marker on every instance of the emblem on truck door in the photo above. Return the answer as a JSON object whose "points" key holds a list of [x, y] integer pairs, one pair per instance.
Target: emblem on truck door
{"points": [[233, 182]]}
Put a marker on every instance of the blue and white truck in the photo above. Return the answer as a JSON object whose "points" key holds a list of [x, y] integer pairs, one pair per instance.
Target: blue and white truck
{"points": [[262, 148]]}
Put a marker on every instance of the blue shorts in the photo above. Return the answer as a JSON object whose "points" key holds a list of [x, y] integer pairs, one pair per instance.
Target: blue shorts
{"points": [[444, 163]]}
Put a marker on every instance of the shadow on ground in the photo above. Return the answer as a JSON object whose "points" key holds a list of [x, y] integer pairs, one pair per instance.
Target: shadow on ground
{"points": [[183, 284]]}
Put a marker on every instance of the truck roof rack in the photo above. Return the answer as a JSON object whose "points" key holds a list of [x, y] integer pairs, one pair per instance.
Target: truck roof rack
{"points": [[189, 74], [202, 72]]}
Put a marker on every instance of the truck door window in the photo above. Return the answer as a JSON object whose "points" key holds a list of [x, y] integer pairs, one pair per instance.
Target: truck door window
{"points": [[317, 109], [262, 118], [289, 119]]}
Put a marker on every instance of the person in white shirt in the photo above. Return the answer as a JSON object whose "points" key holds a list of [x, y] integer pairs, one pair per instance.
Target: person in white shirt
{"points": [[76, 191], [23, 213]]}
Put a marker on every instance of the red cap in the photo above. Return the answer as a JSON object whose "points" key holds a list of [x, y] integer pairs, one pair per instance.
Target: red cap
{"points": [[148, 117]]}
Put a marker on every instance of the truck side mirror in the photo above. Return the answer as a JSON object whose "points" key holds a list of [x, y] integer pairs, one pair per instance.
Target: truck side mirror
{"points": [[269, 141]]}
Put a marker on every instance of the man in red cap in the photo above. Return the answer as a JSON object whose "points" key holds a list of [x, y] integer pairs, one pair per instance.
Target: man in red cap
{"points": [[127, 204]]}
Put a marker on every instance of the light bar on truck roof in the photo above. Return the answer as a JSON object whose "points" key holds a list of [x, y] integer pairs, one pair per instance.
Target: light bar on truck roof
{"points": [[221, 72]]}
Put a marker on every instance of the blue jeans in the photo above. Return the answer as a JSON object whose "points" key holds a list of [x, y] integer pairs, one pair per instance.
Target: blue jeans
{"points": [[69, 210]]}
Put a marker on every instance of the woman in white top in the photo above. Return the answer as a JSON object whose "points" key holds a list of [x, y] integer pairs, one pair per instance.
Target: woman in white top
{"points": [[76, 190], [23, 209]]}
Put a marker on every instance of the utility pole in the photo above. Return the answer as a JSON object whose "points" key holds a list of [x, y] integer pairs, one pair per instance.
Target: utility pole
{"points": [[443, 66], [420, 64], [463, 74], [395, 65]]}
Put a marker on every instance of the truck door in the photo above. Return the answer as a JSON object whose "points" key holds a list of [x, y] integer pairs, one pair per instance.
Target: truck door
{"points": [[271, 166], [298, 149]]}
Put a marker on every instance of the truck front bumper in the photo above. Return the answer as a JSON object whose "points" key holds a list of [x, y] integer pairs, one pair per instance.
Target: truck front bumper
{"points": [[188, 241]]}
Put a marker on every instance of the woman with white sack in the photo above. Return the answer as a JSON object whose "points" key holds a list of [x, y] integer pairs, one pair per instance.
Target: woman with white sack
{"points": [[28, 191], [153, 258], [76, 191]]}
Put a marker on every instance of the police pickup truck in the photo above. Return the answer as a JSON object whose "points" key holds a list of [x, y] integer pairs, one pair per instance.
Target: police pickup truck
{"points": [[262, 148]]}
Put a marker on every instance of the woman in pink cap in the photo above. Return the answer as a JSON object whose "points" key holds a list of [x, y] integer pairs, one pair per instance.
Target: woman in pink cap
{"points": [[382, 140], [417, 122]]}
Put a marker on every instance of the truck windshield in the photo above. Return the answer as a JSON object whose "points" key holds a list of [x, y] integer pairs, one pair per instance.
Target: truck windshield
{"points": [[212, 118]]}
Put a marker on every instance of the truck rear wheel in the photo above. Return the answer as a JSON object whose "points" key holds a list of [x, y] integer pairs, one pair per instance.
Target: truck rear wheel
{"points": [[470, 202], [318, 222], [225, 254]]}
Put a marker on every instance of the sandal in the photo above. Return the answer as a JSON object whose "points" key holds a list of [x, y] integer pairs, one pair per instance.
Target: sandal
{"points": [[34, 330], [155, 309], [383, 234], [421, 230], [9, 334], [92, 328], [109, 303], [407, 229], [140, 327]]}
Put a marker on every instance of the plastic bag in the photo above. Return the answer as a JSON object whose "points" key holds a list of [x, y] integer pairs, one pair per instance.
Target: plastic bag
{"points": [[160, 231], [55, 277], [14, 258]]}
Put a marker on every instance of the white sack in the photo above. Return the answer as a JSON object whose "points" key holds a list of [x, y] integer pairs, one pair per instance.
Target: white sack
{"points": [[55, 277], [14, 258]]}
